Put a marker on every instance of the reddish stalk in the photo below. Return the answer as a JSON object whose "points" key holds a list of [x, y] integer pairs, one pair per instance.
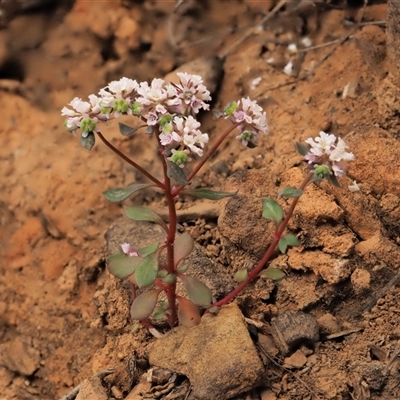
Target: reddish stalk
{"points": [[277, 236], [131, 162]]}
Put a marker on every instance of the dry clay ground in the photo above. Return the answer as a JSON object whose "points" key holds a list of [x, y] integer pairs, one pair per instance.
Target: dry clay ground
{"points": [[63, 317]]}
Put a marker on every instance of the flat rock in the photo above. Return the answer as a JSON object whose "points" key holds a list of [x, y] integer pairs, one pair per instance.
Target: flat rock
{"points": [[19, 356], [218, 356], [92, 389]]}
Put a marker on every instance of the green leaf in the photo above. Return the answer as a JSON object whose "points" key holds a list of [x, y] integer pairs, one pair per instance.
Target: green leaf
{"points": [[122, 266], [170, 278], [182, 268], [302, 148], [159, 314], [176, 173], [119, 194], [162, 273], [333, 180], [208, 194], [290, 191], [88, 141], [196, 290], [146, 272], [183, 246], [188, 313], [146, 251], [126, 130], [144, 304], [272, 210], [288, 240], [241, 275], [144, 214], [273, 273]]}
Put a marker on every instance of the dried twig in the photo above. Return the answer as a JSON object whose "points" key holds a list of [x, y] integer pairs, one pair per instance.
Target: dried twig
{"points": [[74, 392], [394, 356], [382, 292], [289, 372], [339, 42]]}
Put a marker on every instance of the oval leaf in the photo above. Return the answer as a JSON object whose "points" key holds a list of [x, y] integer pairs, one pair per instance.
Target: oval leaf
{"points": [[170, 278], [241, 275], [302, 148], [183, 246], [176, 173], [122, 266], [290, 191], [272, 210], [126, 130], [208, 194], [196, 290], [88, 141], [282, 245], [144, 214], [146, 251], [213, 310], [188, 313], [146, 272], [119, 194], [292, 240], [144, 304], [273, 273], [182, 268]]}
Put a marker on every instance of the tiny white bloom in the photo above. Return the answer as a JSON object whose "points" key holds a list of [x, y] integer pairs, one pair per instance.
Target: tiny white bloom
{"points": [[288, 69]]}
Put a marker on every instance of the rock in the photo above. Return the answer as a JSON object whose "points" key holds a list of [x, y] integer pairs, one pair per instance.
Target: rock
{"points": [[291, 330], [209, 68], [19, 356], [229, 363], [331, 269], [328, 324], [360, 280], [296, 360], [92, 389]]}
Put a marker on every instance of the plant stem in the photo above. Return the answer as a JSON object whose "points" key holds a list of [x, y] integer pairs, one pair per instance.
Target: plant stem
{"points": [[131, 162], [277, 236], [170, 241], [200, 164]]}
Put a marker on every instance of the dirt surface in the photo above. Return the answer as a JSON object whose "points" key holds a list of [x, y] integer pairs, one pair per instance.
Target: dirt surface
{"points": [[64, 318]]}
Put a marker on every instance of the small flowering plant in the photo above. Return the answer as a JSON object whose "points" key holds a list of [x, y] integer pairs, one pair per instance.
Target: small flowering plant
{"points": [[167, 112]]}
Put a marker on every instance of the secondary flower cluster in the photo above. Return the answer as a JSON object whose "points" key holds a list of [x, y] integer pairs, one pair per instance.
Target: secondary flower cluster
{"points": [[250, 116], [329, 151], [168, 109]]}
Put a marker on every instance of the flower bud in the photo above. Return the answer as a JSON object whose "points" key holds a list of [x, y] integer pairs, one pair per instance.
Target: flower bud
{"points": [[230, 108], [179, 158], [322, 172], [121, 106], [87, 125]]}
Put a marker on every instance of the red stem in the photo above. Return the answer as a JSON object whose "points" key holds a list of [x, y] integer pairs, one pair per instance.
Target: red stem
{"points": [[278, 233], [170, 240], [131, 162]]}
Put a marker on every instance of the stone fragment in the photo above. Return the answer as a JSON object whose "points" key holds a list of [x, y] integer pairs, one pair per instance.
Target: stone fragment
{"points": [[19, 356], [296, 360], [328, 324], [331, 269], [217, 356], [292, 330], [360, 279], [92, 389]]}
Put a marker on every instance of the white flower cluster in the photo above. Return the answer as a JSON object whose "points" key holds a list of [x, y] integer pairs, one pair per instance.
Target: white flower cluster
{"points": [[170, 106], [250, 116], [329, 150]]}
